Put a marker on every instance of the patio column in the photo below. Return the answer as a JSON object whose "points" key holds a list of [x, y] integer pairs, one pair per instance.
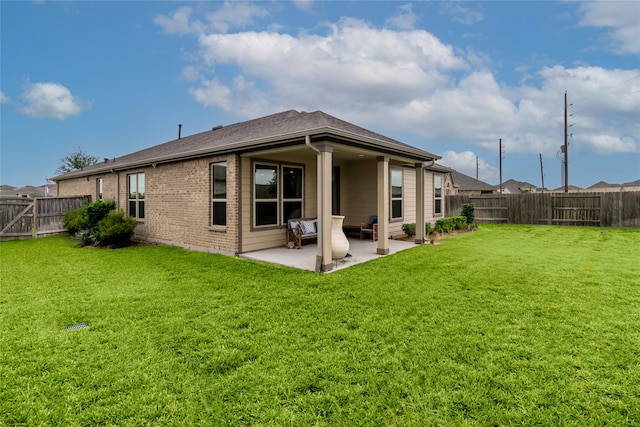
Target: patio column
{"points": [[419, 204], [325, 163], [383, 205]]}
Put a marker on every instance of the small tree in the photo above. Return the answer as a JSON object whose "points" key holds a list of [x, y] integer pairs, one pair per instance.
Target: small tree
{"points": [[469, 212], [76, 160]]}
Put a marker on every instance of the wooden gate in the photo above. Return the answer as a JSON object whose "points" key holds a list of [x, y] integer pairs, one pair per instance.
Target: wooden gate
{"points": [[23, 218]]}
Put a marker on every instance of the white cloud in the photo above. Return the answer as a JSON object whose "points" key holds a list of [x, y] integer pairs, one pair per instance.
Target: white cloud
{"points": [[50, 100], [408, 81], [230, 15], [465, 162], [462, 14], [405, 19], [354, 63], [4, 98], [622, 17], [303, 4], [179, 22]]}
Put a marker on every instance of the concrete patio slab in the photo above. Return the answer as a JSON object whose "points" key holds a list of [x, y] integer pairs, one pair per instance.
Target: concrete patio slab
{"points": [[305, 258]]}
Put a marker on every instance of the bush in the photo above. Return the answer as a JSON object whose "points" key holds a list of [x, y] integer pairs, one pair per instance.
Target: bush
{"points": [[469, 212], [116, 229], [96, 211], [409, 229], [99, 223], [447, 225], [84, 237], [74, 221]]}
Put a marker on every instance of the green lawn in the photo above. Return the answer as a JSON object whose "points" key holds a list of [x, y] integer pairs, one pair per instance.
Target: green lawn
{"points": [[509, 325]]}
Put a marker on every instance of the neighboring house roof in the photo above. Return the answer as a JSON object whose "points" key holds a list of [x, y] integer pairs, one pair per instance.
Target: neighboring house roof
{"points": [[571, 188], [8, 191], [603, 184], [513, 186], [271, 131], [466, 183]]}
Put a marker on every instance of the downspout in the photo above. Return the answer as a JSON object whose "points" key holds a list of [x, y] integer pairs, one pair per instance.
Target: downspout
{"points": [[307, 142]]}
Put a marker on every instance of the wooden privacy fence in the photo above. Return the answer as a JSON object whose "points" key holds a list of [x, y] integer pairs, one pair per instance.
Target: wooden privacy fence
{"points": [[607, 209], [23, 218]]}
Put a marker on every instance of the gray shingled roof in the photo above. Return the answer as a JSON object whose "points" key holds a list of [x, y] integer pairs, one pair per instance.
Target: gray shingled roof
{"points": [[467, 183], [276, 129]]}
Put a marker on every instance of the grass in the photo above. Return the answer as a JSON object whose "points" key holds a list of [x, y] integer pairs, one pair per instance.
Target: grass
{"points": [[510, 325]]}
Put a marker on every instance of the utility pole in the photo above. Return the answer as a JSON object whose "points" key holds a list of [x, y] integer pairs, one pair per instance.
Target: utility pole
{"points": [[541, 172], [476, 167], [566, 146], [500, 144]]}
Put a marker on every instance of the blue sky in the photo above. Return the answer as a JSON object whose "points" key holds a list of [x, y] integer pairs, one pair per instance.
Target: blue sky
{"points": [[448, 77]]}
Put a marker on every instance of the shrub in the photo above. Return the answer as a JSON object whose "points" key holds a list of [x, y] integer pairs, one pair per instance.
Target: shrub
{"points": [[75, 221], [469, 212], [96, 211], [447, 225], [409, 229], [84, 237], [116, 229]]}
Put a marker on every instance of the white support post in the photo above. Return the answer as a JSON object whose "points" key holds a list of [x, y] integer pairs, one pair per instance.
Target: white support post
{"points": [[383, 205]]}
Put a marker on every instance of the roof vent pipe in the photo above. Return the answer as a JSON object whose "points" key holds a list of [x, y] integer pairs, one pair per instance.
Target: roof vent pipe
{"points": [[179, 130]]}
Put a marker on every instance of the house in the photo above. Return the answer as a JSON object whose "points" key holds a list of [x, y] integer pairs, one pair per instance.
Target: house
{"points": [[464, 184], [231, 189], [515, 187], [605, 187]]}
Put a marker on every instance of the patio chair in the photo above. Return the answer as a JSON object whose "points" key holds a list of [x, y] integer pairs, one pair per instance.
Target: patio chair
{"points": [[299, 229], [370, 228]]}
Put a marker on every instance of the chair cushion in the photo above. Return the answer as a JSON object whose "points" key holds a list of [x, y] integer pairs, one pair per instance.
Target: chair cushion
{"points": [[308, 227], [293, 224]]}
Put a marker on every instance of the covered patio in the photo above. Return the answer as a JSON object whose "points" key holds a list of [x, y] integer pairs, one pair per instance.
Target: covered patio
{"points": [[305, 258]]}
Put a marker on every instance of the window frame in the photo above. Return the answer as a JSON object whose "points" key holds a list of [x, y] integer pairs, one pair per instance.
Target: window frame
{"points": [[216, 199], [396, 198], [279, 198], [437, 198], [285, 199], [137, 200], [99, 193]]}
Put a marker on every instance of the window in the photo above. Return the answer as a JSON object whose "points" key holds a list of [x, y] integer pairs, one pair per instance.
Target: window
{"points": [[136, 195], [396, 193], [437, 194], [99, 189], [219, 194], [278, 193], [291, 192]]}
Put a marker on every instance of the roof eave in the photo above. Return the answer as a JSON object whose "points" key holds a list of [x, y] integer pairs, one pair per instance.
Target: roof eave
{"points": [[252, 144]]}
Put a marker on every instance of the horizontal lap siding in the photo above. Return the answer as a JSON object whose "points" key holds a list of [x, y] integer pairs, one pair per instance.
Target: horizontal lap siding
{"points": [[430, 217], [360, 203], [255, 239], [408, 202]]}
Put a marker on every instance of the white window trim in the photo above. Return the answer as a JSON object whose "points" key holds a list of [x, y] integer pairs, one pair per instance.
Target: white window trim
{"points": [[392, 199], [214, 200]]}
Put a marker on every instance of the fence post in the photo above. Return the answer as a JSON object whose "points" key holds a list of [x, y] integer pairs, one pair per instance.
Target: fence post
{"points": [[34, 228]]}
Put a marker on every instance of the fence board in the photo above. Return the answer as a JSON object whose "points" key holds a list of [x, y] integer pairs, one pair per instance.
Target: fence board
{"points": [[26, 218], [608, 209]]}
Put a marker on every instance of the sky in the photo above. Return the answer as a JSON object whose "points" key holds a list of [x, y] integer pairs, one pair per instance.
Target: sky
{"points": [[452, 78]]}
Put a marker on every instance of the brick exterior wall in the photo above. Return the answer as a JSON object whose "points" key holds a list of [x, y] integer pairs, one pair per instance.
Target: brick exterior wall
{"points": [[177, 202]]}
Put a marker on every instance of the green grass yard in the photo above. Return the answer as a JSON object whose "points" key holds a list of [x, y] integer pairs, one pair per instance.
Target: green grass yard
{"points": [[509, 325]]}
